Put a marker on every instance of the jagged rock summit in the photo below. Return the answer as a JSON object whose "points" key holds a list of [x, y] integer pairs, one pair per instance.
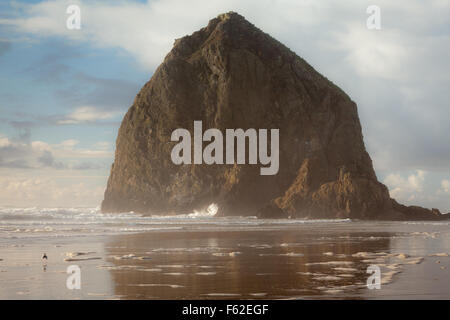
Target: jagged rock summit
{"points": [[232, 75]]}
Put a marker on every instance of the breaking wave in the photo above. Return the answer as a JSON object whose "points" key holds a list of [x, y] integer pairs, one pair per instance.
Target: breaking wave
{"points": [[64, 222]]}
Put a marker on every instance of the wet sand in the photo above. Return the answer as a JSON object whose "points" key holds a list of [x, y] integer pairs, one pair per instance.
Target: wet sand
{"points": [[311, 261]]}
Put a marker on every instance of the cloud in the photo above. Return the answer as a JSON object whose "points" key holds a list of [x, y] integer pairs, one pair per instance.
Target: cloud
{"points": [[39, 154], [87, 114], [102, 145], [46, 159], [374, 54], [445, 184], [87, 166], [68, 149], [147, 30], [83, 115], [426, 189], [405, 188], [140, 29], [47, 192]]}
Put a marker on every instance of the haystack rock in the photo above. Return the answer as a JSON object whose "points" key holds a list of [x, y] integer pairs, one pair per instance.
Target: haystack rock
{"points": [[232, 75]]}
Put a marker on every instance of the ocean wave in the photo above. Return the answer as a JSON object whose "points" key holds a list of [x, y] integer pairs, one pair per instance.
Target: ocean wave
{"points": [[64, 222]]}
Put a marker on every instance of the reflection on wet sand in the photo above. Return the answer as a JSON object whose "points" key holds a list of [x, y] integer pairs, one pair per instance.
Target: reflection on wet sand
{"points": [[247, 258], [277, 264]]}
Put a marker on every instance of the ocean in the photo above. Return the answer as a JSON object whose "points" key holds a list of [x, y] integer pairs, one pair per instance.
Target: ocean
{"points": [[200, 256]]}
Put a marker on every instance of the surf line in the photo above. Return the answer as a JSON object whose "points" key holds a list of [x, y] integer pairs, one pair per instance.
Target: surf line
{"points": [[213, 153]]}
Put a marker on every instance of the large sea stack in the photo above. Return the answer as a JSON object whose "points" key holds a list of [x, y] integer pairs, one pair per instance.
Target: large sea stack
{"points": [[230, 74]]}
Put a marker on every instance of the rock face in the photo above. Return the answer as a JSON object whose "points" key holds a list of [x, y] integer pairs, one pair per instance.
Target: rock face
{"points": [[232, 75]]}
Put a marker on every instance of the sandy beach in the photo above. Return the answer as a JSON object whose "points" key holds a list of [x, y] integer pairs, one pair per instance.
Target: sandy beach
{"points": [[255, 259]]}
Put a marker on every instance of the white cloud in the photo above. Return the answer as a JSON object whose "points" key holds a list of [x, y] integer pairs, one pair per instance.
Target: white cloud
{"points": [[87, 114], [406, 189], [69, 149], [103, 145], [147, 30], [445, 184], [40, 154], [47, 192], [375, 54], [4, 142]]}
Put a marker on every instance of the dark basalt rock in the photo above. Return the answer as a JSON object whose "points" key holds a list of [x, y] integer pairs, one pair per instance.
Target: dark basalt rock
{"points": [[271, 211], [232, 75]]}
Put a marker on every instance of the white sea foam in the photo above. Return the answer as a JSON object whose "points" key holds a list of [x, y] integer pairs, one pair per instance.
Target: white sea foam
{"points": [[227, 254], [173, 286], [333, 291], [388, 276], [261, 246], [177, 266], [288, 254], [36, 222], [311, 273], [173, 273], [206, 273], [369, 254], [123, 267], [344, 269], [144, 258], [346, 275], [125, 257], [426, 234], [330, 263], [76, 254], [327, 278], [440, 254], [416, 260], [150, 269], [81, 259]]}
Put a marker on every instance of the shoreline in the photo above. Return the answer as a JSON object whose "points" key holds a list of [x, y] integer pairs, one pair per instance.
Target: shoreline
{"points": [[309, 261]]}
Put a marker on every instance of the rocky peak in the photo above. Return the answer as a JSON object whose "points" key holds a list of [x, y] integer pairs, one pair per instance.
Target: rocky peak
{"points": [[232, 75]]}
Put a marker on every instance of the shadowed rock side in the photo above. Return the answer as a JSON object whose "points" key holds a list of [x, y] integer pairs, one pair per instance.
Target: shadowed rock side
{"points": [[232, 75]]}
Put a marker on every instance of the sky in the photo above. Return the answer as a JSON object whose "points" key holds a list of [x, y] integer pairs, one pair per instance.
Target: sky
{"points": [[63, 92]]}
